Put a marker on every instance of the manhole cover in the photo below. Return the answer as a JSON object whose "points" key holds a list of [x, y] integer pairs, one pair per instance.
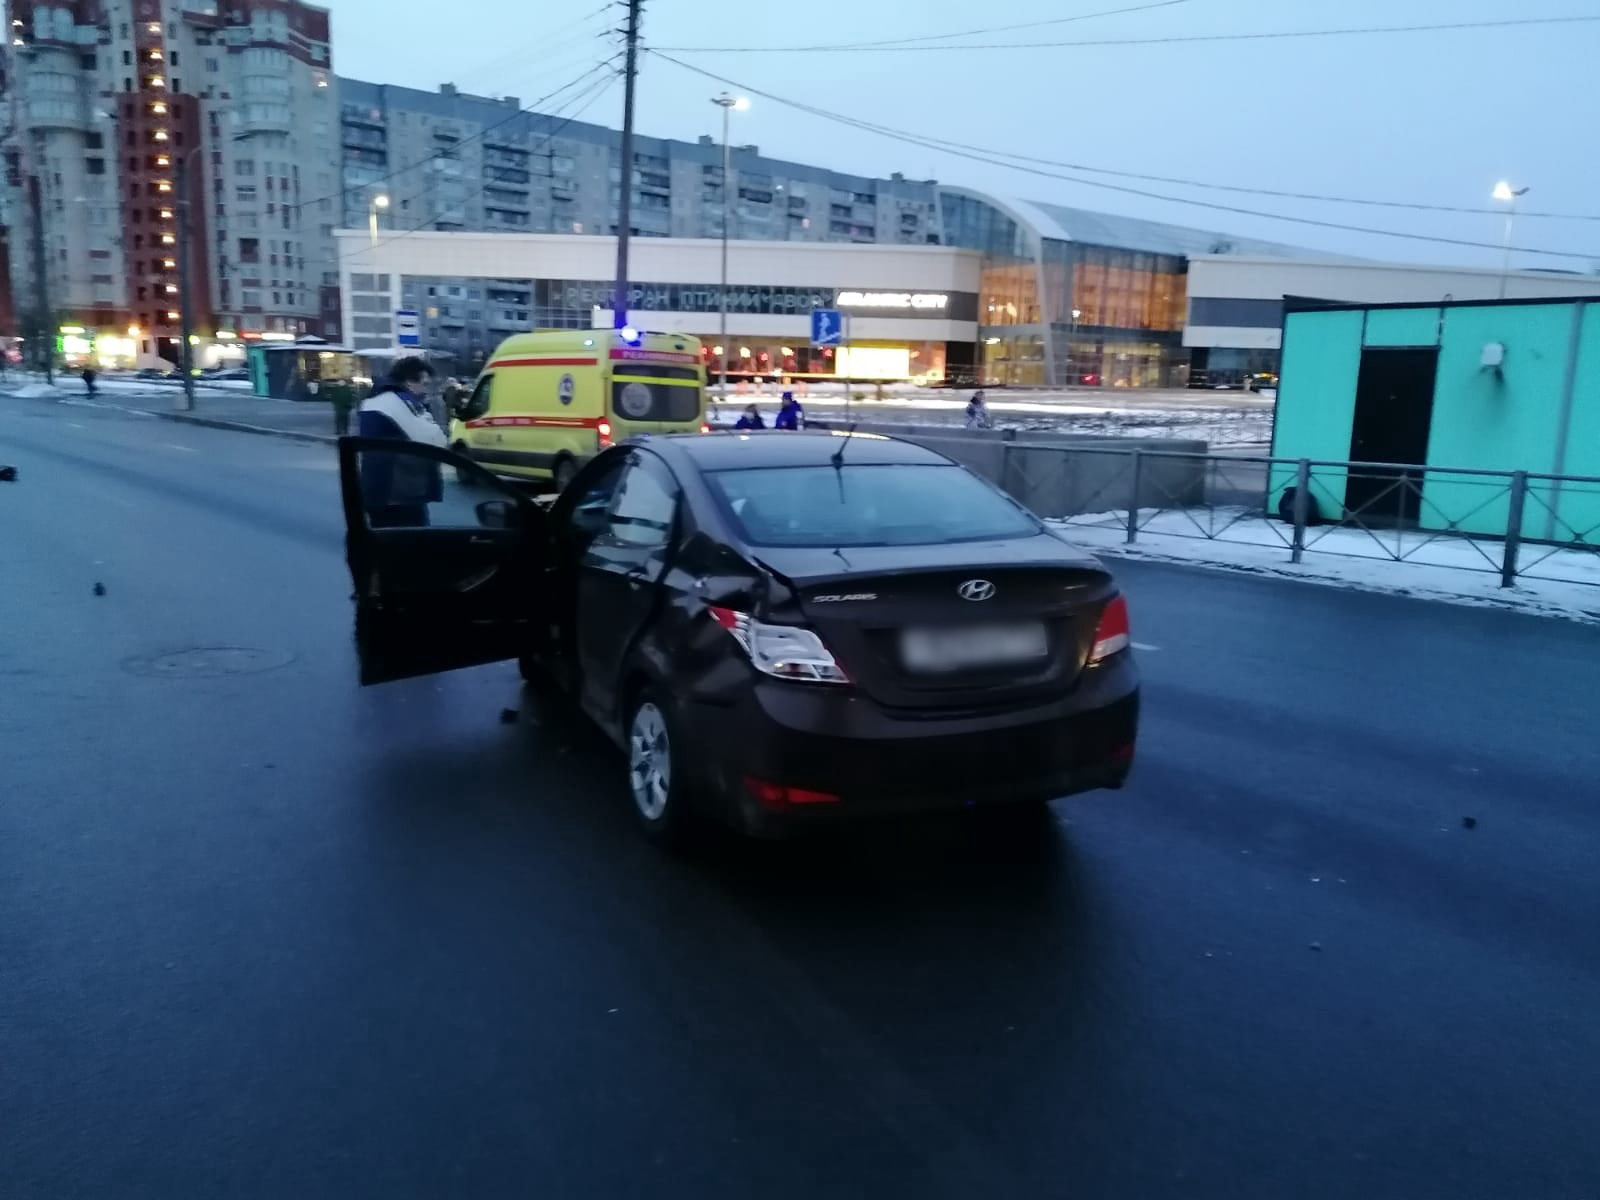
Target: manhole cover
{"points": [[208, 661]]}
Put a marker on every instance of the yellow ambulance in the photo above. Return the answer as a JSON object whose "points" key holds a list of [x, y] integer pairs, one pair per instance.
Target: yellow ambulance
{"points": [[548, 401]]}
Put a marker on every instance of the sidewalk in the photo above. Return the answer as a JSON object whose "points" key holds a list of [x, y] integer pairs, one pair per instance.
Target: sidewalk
{"points": [[307, 422], [1559, 582]]}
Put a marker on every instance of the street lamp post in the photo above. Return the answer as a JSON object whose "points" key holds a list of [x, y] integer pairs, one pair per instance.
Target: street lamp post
{"points": [[1507, 195], [379, 203], [1072, 347], [728, 104]]}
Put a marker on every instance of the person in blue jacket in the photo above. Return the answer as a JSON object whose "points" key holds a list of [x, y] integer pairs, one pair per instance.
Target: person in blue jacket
{"points": [[750, 419], [397, 489], [791, 415]]}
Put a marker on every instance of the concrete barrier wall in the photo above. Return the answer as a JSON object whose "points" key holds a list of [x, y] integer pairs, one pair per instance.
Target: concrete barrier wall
{"points": [[1059, 475]]}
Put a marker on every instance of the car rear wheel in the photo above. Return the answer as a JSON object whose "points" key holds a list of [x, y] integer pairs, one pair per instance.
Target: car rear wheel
{"points": [[655, 782]]}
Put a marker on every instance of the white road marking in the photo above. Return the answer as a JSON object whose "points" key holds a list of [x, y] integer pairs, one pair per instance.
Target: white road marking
{"points": [[175, 446], [1146, 647], [74, 425]]}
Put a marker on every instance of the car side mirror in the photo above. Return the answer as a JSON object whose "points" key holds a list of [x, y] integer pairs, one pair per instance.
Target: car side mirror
{"points": [[498, 514]]}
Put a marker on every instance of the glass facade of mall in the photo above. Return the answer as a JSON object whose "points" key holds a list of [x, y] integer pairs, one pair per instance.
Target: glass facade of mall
{"points": [[1070, 298]]}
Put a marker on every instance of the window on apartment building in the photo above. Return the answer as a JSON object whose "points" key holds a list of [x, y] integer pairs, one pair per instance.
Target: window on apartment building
{"points": [[95, 166], [173, 57], [127, 84], [245, 167], [127, 58], [249, 250], [211, 65], [86, 61], [245, 193]]}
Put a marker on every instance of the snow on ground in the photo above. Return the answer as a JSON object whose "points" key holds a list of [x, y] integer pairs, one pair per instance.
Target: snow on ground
{"points": [[36, 391], [1222, 419], [1562, 583]]}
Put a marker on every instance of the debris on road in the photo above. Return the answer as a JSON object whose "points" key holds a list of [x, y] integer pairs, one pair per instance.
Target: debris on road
{"points": [[99, 588], [1469, 822], [8, 474]]}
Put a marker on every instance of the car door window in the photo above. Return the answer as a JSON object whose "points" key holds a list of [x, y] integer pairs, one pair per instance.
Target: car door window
{"points": [[402, 489], [644, 506], [589, 516], [477, 404]]}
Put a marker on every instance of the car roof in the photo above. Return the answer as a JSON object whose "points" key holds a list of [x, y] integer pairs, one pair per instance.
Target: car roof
{"points": [[724, 451]]}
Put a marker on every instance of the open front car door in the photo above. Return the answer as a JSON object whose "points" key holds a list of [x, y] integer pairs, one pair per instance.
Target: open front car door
{"points": [[446, 560]]}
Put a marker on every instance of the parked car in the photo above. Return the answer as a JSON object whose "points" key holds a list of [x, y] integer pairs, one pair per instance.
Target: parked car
{"points": [[777, 629], [155, 373]]}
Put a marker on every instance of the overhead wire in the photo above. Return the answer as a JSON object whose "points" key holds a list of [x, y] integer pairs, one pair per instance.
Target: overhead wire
{"points": [[549, 40], [917, 45], [990, 157], [936, 37]]}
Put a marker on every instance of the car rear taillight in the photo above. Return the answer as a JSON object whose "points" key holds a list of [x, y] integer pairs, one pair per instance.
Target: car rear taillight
{"points": [[604, 430], [777, 797], [782, 651], [704, 428], [1112, 635]]}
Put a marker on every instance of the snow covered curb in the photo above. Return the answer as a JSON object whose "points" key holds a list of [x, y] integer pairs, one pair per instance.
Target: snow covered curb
{"points": [[1549, 598]]}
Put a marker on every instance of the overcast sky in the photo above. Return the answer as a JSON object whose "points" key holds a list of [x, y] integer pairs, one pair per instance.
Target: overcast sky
{"points": [[1429, 118]]}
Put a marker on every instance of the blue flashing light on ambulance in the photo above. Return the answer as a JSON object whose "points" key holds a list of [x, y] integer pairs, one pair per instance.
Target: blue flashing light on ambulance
{"points": [[547, 402]]}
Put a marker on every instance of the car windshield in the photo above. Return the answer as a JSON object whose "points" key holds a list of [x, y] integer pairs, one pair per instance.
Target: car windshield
{"points": [[871, 504]]}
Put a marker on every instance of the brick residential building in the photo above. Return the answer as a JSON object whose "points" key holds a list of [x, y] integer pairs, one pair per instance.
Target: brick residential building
{"points": [[109, 106]]}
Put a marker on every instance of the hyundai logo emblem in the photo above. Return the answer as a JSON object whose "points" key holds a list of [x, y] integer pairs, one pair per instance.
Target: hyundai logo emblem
{"points": [[976, 589]]}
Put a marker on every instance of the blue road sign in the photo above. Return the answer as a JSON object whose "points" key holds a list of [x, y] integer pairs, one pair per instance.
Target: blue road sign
{"points": [[827, 327], [407, 328]]}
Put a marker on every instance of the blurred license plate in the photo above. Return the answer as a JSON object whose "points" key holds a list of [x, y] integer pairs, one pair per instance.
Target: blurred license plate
{"points": [[966, 647]]}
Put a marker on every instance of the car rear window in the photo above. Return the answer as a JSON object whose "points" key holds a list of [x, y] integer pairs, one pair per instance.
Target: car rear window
{"points": [[872, 504], [636, 400]]}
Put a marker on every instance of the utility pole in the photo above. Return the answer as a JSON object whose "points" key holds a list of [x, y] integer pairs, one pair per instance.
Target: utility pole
{"points": [[728, 104], [619, 303], [44, 322], [185, 309]]}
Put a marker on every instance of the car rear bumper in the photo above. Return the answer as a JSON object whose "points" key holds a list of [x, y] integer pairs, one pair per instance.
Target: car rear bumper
{"points": [[818, 742]]}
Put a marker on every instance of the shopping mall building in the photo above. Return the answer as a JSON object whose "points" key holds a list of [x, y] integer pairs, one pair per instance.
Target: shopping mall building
{"points": [[1014, 294]]}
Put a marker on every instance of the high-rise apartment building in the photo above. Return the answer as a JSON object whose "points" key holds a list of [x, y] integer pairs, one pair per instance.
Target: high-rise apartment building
{"points": [[449, 161], [114, 106], [445, 161]]}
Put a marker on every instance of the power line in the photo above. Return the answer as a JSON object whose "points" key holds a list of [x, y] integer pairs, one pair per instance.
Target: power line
{"points": [[1163, 40], [988, 157], [585, 101], [1319, 197], [939, 37], [549, 40]]}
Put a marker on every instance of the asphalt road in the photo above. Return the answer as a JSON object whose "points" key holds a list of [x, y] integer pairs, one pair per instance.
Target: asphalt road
{"points": [[265, 934]]}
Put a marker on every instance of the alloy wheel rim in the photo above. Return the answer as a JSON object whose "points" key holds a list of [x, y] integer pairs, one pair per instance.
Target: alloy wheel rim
{"points": [[649, 762]]}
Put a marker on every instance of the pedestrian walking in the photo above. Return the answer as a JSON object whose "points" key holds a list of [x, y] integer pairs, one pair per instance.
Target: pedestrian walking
{"points": [[89, 376], [751, 419], [397, 489], [978, 412], [790, 415], [341, 394]]}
